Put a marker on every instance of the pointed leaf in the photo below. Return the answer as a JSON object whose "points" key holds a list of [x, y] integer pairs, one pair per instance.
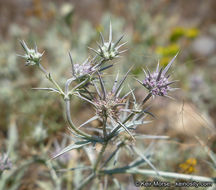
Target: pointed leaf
{"points": [[126, 129], [118, 41], [121, 45], [102, 38], [73, 146], [141, 136], [110, 33], [122, 81], [89, 121], [102, 86], [115, 82], [94, 50], [139, 153], [169, 65], [72, 64], [48, 89]]}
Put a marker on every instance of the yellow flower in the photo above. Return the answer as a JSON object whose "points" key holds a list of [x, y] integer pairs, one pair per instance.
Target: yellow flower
{"points": [[177, 33], [192, 33], [167, 53], [170, 50], [188, 166]]}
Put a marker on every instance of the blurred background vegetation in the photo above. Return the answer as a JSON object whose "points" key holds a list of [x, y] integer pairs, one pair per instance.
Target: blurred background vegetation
{"points": [[32, 123]]}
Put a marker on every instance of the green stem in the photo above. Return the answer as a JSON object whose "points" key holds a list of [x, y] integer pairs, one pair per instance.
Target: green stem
{"points": [[104, 127], [100, 156], [68, 115], [49, 77], [55, 84]]}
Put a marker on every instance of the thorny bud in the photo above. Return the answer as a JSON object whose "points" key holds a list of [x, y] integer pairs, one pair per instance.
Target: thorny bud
{"points": [[32, 56], [5, 163], [109, 50]]}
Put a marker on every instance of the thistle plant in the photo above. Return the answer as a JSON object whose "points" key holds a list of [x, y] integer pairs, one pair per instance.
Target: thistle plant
{"points": [[119, 114]]}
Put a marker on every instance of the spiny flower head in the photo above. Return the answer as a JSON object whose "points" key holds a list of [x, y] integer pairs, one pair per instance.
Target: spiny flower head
{"points": [[109, 50], [109, 103], [32, 56], [157, 82], [5, 163], [80, 70]]}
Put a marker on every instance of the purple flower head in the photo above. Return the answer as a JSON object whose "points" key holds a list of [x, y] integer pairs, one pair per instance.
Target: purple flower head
{"points": [[80, 70], [5, 163], [157, 82]]}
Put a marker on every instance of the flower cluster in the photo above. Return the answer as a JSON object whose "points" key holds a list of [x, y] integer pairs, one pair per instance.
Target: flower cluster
{"points": [[157, 82], [5, 163], [109, 50], [32, 56]]}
